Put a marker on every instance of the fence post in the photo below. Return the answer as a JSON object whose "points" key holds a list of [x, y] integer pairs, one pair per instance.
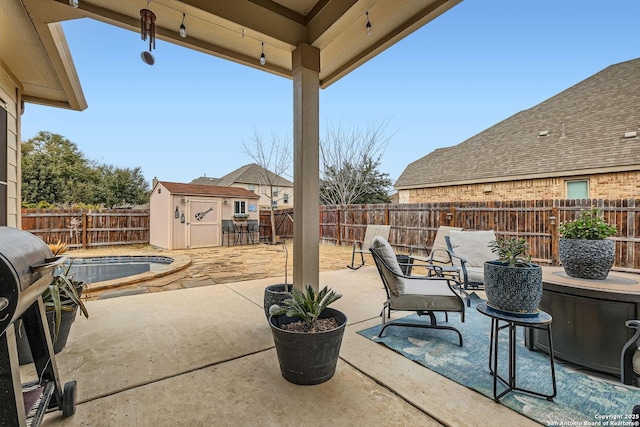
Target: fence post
{"points": [[84, 230], [386, 215], [553, 231], [451, 216], [338, 233]]}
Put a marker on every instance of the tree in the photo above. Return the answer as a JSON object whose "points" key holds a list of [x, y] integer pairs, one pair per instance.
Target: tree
{"points": [[349, 166], [274, 158], [122, 187], [56, 172]]}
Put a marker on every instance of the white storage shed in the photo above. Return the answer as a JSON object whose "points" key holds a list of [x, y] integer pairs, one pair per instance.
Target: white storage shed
{"points": [[184, 216]]}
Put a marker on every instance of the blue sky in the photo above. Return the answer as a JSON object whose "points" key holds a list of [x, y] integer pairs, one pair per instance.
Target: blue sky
{"points": [[471, 68]]}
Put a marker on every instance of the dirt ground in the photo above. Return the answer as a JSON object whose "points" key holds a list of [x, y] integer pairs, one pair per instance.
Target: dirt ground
{"points": [[217, 265]]}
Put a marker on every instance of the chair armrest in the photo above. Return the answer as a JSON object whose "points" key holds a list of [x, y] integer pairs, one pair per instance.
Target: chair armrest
{"points": [[437, 251], [416, 247]]}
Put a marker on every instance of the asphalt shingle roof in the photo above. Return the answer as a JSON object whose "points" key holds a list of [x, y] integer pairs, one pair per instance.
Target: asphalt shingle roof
{"points": [[208, 190], [247, 174], [586, 124]]}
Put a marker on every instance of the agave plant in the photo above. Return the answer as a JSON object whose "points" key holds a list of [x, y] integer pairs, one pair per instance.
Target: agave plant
{"points": [[307, 305], [63, 292]]}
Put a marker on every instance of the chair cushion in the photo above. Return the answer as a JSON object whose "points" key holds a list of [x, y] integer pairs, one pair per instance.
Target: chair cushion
{"points": [[426, 294], [475, 274], [385, 251], [472, 246]]}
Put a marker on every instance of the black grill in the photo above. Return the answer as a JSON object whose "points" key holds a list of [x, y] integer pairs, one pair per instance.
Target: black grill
{"points": [[26, 269]]}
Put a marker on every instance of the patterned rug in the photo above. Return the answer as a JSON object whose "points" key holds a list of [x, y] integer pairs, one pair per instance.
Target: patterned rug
{"points": [[584, 398]]}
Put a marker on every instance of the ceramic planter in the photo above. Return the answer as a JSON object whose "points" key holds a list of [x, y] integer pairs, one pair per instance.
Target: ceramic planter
{"points": [[515, 291], [587, 259], [308, 358], [275, 294]]}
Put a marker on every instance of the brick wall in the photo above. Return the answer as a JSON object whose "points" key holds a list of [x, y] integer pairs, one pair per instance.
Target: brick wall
{"points": [[620, 185]]}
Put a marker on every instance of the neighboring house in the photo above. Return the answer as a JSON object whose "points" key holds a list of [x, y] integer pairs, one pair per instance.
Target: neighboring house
{"points": [[186, 216], [258, 180], [582, 143]]}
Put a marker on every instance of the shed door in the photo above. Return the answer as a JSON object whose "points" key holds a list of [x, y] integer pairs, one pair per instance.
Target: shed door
{"points": [[203, 223]]}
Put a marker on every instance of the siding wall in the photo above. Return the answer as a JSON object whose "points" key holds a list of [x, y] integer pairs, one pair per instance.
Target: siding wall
{"points": [[9, 94], [618, 185]]}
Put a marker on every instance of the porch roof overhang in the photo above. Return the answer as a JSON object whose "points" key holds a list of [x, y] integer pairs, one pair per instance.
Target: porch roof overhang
{"points": [[34, 48]]}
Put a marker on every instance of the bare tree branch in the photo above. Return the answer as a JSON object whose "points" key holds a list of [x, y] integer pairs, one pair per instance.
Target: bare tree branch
{"points": [[274, 157], [349, 158]]}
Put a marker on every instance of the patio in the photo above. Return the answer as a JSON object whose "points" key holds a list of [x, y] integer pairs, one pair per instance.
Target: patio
{"points": [[192, 356]]}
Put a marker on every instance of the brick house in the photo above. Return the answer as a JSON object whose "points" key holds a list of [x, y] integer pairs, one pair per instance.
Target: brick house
{"points": [[259, 180], [582, 143]]}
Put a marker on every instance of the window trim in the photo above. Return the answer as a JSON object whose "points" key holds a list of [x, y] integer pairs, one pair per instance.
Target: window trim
{"points": [[568, 182]]}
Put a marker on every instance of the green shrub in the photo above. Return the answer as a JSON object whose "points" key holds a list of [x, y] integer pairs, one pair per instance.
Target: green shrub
{"points": [[590, 225]]}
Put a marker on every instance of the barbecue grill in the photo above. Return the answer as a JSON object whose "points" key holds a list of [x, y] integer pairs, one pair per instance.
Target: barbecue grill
{"points": [[26, 269]]}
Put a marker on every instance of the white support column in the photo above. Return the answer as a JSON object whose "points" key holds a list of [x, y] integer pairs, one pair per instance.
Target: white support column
{"points": [[306, 169]]}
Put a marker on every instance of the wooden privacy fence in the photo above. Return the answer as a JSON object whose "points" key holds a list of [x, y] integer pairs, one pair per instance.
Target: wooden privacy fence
{"points": [[88, 227], [536, 221], [411, 224]]}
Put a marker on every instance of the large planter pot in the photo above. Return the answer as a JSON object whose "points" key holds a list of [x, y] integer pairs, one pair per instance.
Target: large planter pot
{"points": [[308, 358], [66, 320], [275, 294], [587, 259], [516, 291]]}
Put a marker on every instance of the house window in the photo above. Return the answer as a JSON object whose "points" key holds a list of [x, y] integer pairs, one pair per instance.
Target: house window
{"points": [[252, 188], [578, 189], [285, 198], [274, 193], [239, 207]]}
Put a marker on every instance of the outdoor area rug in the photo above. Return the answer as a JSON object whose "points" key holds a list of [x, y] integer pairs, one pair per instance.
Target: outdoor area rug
{"points": [[583, 397]]}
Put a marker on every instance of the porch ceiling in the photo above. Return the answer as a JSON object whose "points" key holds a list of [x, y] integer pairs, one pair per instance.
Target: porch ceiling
{"points": [[34, 49]]}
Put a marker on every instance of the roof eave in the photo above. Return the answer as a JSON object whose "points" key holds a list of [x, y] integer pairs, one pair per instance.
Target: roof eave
{"points": [[567, 173]]}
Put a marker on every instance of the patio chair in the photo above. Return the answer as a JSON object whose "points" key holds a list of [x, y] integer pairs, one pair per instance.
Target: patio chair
{"points": [[363, 247], [423, 294], [438, 254], [470, 250]]}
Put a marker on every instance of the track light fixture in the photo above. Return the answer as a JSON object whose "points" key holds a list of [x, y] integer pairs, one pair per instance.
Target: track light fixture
{"points": [[183, 29], [263, 59], [368, 26], [73, 3]]}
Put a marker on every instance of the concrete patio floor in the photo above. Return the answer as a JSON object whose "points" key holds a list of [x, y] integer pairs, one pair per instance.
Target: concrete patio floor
{"points": [[205, 356]]}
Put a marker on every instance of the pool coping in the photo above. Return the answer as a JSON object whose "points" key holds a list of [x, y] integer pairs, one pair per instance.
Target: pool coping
{"points": [[180, 262]]}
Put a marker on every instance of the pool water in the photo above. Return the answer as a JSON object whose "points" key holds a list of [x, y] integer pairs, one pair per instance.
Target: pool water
{"points": [[100, 269]]}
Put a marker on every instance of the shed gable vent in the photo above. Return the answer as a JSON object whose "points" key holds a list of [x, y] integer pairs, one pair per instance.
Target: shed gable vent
{"points": [[632, 134]]}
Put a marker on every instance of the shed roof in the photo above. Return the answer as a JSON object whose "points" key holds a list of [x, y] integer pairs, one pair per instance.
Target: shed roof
{"points": [[207, 190], [578, 131], [247, 174]]}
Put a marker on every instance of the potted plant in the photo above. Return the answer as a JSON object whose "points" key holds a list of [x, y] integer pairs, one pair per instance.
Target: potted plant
{"points": [[512, 283], [240, 217], [308, 335], [584, 250], [61, 299], [277, 294]]}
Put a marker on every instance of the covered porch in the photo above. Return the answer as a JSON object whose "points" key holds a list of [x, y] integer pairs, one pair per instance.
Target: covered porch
{"points": [[205, 356]]}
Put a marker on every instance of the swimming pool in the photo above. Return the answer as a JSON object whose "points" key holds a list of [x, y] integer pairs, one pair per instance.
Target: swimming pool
{"points": [[104, 268]]}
